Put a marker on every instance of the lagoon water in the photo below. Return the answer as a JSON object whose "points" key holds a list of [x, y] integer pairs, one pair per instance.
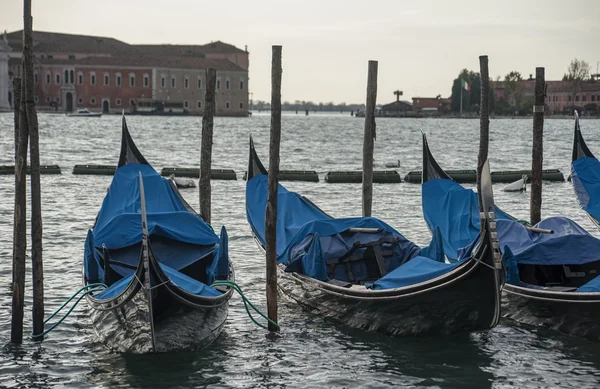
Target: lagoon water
{"points": [[309, 352]]}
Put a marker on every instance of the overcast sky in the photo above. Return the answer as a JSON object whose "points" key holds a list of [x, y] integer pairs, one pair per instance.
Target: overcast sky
{"points": [[420, 45]]}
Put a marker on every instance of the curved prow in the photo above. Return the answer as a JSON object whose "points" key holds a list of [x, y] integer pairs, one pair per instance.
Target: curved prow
{"points": [[431, 169], [488, 251], [129, 151], [255, 167], [580, 149]]}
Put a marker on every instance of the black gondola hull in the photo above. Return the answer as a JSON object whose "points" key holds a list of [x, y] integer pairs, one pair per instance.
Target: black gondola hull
{"points": [[183, 326], [571, 313], [464, 303]]}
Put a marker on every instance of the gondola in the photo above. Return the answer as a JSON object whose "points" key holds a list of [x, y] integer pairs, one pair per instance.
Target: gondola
{"points": [[585, 176], [157, 258], [365, 274], [552, 267]]}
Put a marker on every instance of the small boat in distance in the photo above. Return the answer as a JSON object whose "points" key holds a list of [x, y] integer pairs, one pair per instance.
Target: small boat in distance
{"points": [[183, 182], [518, 186], [85, 113]]}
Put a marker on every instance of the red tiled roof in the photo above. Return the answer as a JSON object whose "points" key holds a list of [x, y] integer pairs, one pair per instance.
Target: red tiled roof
{"points": [[220, 47], [54, 42], [67, 43]]}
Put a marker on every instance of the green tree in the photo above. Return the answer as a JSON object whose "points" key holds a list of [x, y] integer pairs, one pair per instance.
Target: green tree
{"points": [[470, 98], [513, 92], [578, 70]]}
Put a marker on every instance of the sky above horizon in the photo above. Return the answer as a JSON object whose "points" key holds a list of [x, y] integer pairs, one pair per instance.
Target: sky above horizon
{"points": [[420, 46]]}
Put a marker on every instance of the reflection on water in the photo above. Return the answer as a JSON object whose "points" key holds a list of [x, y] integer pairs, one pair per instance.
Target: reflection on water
{"points": [[310, 351]]}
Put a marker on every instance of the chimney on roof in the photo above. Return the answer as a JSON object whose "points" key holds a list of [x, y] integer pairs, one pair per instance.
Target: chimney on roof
{"points": [[246, 48]]}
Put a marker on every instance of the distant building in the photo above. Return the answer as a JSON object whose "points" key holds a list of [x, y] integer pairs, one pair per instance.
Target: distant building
{"points": [[561, 96], [430, 106], [397, 109], [77, 71]]}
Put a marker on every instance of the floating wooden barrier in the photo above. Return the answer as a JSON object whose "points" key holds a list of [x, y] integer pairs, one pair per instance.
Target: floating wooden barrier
{"points": [[460, 176], [355, 177], [215, 174], [514, 175], [505, 176], [95, 170], [44, 169], [295, 175]]}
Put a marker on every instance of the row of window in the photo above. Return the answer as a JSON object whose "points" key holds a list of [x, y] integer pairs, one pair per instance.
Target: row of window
{"points": [[186, 82], [68, 78], [569, 98]]}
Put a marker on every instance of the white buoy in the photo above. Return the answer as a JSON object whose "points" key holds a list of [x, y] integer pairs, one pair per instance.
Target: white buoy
{"points": [[517, 186]]}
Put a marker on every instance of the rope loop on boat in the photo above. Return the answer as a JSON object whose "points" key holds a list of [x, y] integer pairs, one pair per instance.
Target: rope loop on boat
{"points": [[247, 302], [90, 288]]}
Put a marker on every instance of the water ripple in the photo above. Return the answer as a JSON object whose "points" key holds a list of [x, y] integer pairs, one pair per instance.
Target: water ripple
{"points": [[310, 351]]}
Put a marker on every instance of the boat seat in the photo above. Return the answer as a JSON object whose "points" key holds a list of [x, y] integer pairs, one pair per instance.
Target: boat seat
{"points": [[343, 284], [373, 250]]}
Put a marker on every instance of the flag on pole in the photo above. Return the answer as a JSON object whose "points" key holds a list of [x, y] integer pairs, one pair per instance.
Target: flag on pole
{"points": [[465, 85]]}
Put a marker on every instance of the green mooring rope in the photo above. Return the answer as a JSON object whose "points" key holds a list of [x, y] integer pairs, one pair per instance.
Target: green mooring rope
{"points": [[247, 302], [97, 287]]}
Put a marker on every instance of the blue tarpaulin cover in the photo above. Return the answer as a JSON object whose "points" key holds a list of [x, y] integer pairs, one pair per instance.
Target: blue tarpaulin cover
{"points": [[119, 228], [417, 270], [307, 238], [592, 286], [449, 206], [585, 176], [455, 211]]}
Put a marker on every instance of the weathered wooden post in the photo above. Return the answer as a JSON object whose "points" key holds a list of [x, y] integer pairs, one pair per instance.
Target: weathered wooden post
{"points": [[484, 122], [20, 221], [369, 140], [537, 155], [207, 142], [17, 108], [36, 197], [273, 181]]}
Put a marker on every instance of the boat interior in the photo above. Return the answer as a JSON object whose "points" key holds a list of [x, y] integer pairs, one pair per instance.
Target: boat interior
{"points": [[564, 278], [186, 265]]}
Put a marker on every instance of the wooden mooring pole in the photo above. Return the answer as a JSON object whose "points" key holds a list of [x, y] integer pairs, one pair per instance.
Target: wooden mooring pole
{"points": [[271, 213], [537, 154], [20, 215], [34, 155], [484, 122], [369, 140], [207, 143], [17, 108]]}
